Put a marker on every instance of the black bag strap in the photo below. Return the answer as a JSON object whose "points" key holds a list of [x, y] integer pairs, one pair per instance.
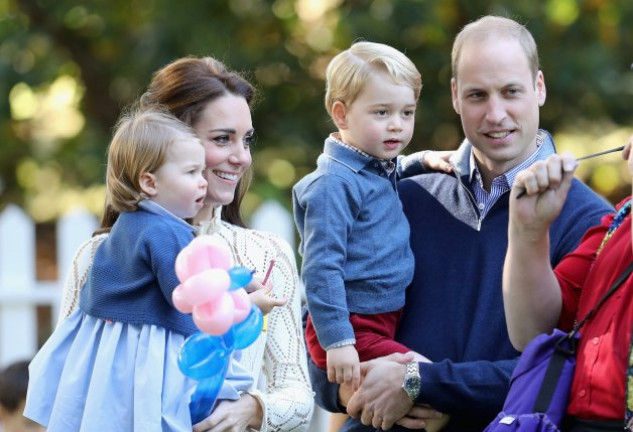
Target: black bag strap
{"points": [[566, 347], [619, 281]]}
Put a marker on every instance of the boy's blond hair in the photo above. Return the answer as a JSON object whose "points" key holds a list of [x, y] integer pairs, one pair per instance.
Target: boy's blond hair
{"points": [[347, 72], [491, 26], [139, 145]]}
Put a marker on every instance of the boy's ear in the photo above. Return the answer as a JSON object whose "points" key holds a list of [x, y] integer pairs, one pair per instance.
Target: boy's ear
{"points": [[4, 414], [339, 114], [147, 181]]}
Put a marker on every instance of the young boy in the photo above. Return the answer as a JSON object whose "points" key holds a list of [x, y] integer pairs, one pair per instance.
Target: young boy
{"points": [[354, 235], [14, 380]]}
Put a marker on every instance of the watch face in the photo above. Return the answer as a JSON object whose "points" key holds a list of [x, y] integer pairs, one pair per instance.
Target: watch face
{"points": [[412, 384]]}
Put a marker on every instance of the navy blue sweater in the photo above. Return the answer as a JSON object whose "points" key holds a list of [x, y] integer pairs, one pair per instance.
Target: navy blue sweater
{"points": [[454, 307], [133, 274]]}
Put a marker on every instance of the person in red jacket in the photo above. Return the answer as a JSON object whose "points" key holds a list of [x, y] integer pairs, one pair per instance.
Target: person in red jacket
{"points": [[538, 298]]}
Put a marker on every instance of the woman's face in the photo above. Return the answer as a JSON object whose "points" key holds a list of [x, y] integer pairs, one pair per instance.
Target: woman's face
{"points": [[226, 131]]}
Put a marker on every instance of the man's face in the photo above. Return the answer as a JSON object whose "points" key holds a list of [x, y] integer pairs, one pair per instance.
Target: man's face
{"points": [[498, 100]]}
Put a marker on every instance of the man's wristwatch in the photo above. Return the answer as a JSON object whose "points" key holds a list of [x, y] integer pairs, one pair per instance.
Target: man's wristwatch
{"points": [[411, 382]]}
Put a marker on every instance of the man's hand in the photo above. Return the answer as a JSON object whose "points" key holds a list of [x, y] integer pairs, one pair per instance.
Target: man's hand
{"points": [[343, 366], [381, 401]]}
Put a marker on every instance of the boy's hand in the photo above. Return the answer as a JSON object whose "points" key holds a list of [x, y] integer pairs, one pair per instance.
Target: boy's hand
{"points": [[343, 366], [436, 160]]}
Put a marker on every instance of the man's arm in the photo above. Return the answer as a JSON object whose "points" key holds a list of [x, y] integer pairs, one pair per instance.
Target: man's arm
{"points": [[474, 390], [531, 293]]}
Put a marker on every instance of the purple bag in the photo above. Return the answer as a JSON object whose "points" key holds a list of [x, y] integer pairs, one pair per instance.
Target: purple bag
{"points": [[539, 386], [541, 381]]}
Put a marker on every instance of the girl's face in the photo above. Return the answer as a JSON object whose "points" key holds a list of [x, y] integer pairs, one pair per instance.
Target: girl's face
{"points": [[226, 131], [179, 185]]}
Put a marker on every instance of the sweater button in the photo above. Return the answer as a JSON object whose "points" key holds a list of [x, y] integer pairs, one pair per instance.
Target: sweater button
{"points": [[582, 393], [595, 340]]}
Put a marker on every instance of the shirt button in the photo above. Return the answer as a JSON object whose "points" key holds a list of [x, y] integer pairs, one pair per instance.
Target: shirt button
{"points": [[595, 341], [582, 393], [481, 206]]}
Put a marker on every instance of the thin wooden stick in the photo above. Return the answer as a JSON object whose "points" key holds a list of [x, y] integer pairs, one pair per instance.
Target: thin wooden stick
{"points": [[589, 156]]}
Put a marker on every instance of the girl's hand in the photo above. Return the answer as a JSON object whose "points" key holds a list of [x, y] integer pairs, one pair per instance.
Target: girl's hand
{"points": [[262, 296]]}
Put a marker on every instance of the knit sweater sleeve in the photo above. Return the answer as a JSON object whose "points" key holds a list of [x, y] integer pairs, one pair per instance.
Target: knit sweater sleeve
{"points": [[77, 275], [288, 400], [329, 206]]}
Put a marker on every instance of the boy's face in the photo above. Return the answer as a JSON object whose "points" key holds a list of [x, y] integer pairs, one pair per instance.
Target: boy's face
{"points": [[178, 184], [380, 121]]}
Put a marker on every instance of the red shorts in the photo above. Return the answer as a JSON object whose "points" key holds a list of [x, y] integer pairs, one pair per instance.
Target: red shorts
{"points": [[374, 337]]}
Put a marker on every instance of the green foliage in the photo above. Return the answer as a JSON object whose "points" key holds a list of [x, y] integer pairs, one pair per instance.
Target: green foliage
{"points": [[111, 48]]}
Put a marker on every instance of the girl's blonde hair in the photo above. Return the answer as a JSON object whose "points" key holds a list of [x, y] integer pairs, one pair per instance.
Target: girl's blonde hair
{"points": [[139, 145], [348, 71]]}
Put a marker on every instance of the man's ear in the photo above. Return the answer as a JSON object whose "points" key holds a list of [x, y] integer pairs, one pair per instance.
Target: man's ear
{"points": [[339, 114], [541, 90], [147, 181], [454, 96]]}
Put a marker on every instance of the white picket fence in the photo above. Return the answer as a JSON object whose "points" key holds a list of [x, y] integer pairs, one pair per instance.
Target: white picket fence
{"points": [[20, 291]]}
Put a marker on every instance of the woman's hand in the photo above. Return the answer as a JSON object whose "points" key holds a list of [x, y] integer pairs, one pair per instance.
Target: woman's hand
{"points": [[424, 417], [233, 416], [262, 296]]}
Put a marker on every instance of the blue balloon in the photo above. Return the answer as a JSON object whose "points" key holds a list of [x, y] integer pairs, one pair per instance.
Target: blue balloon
{"points": [[203, 398], [246, 332], [240, 277], [203, 355]]}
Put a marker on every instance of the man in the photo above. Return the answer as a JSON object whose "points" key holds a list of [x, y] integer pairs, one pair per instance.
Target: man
{"points": [[454, 309]]}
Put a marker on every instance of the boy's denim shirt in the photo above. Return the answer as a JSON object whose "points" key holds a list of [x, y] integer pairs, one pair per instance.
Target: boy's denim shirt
{"points": [[354, 241]]}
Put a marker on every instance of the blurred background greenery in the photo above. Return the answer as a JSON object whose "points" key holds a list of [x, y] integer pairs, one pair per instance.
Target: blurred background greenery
{"points": [[68, 67]]}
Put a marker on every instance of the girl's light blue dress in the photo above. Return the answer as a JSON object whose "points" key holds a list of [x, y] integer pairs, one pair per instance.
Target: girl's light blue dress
{"points": [[93, 375]]}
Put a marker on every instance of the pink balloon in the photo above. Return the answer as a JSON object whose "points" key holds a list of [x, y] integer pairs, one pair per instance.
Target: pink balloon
{"points": [[202, 253], [206, 286], [242, 304], [182, 265], [215, 318], [179, 301], [209, 252]]}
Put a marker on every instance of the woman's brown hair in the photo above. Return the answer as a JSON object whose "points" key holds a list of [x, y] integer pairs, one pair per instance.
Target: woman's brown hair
{"points": [[184, 88]]}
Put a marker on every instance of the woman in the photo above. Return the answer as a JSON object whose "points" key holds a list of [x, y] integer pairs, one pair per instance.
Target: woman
{"points": [[538, 298], [216, 104]]}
